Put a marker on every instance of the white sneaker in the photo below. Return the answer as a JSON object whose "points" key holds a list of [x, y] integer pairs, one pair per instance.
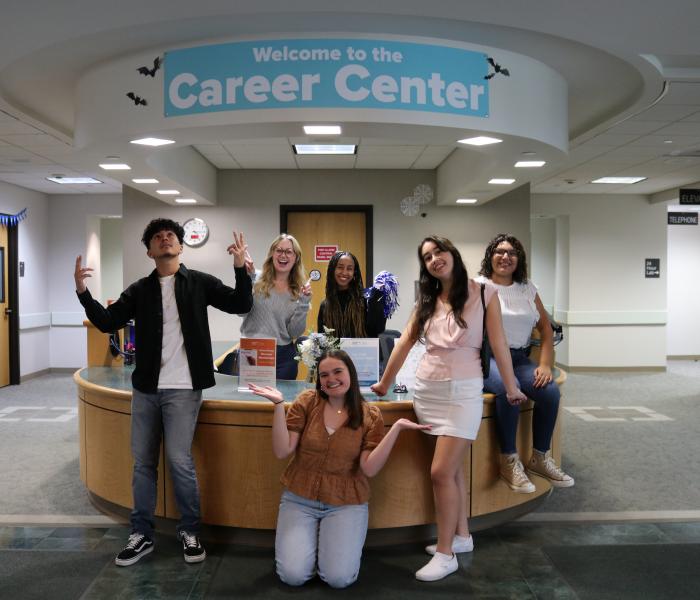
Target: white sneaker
{"points": [[459, 544], [441, 565]]}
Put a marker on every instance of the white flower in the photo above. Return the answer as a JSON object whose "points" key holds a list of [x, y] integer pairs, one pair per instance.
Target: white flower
{"points": [[311, 349]]}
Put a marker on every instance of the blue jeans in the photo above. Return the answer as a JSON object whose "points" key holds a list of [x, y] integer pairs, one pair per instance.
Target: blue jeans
{"points": [[315, 536], [173, 414], [546, 401]]}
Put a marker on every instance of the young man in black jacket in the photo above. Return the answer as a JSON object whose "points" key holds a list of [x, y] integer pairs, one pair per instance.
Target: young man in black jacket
{"points": [[173, 365]]}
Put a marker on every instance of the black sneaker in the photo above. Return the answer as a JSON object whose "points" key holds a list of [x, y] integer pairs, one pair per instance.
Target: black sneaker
{"points": [[192, 548], [136, 548]]}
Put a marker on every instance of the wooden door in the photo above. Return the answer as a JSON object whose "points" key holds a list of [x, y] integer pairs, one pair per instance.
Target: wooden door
{"points": [[4, 318], [346, 230]]}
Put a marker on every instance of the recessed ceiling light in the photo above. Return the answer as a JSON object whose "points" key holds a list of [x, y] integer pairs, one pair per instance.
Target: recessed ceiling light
{"points": [[481, 140], [115, 167], [668, 141], [322, 129], [145, 180], [325, 148], [152, 142], [501, 181], [528, 153], [625, 180], [185, 201], [66, 180], [530, 163], [168, 192], [466, 200]]}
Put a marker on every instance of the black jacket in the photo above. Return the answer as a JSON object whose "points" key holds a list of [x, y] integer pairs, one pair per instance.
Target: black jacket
{"points": [[141, 301]]}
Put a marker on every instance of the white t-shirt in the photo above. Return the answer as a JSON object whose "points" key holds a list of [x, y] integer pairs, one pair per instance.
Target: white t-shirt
{"points": [[174, 368], [518, 310]]}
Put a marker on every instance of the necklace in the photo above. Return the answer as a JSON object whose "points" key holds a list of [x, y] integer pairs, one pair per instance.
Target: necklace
{"points": [[340, 412]]}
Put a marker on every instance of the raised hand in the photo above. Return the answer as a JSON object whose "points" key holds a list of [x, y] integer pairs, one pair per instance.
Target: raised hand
{"points": [[81, 274], [272, 394], [238, 249], [249, 265], [306, 289]]}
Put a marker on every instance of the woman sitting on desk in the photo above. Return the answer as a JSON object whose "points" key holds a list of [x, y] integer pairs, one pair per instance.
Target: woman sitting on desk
{"points": [[280, 302], [338, 442], [505, 266], [346, 310]]}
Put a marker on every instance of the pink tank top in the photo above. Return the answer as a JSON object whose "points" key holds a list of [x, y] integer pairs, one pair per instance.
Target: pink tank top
{"points": [[452, 352]]}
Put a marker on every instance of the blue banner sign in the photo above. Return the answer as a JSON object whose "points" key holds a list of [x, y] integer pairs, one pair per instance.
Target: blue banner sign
{"points": [[326, 73]]}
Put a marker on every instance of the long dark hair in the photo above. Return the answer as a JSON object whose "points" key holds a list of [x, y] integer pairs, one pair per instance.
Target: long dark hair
{"points": [[429, 287], [353, 397], [520, 273], [351, 321]]}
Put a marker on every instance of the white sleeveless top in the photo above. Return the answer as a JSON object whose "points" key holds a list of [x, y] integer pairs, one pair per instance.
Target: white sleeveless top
{"points": [[518, 310]]}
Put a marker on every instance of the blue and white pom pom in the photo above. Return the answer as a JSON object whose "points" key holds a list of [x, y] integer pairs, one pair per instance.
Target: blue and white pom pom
{"points": [[387, 285]]}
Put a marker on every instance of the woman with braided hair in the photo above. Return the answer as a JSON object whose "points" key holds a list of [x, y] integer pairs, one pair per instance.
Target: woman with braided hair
{"points": [[346, 310]]}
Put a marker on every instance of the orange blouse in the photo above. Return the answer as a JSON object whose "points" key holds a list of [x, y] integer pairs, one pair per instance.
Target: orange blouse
{"points": [[327, 467]]}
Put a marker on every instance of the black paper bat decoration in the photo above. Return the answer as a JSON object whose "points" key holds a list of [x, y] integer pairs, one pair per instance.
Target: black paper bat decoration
{"points": [[136, 99], [151, 72], [497, 67]]}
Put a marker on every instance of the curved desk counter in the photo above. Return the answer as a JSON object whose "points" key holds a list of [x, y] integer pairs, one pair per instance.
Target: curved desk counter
{"points": [[239, 475]]}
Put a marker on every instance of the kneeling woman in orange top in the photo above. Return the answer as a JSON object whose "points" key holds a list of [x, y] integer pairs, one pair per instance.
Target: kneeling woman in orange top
{"points": [[338, 442]]}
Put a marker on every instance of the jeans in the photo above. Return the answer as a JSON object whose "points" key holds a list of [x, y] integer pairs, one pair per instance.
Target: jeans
{"points": [[315, 536], [546, 401], [173, 414], [287, 367]]}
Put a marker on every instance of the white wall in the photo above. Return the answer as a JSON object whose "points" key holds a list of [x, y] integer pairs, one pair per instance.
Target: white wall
{"points": [[683, 331], [542, 264], [72, 217], [250, 200], [33, 249], [614, 316]]}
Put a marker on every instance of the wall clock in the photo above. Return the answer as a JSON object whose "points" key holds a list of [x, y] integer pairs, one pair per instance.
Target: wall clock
{"points": [[196, 232]]}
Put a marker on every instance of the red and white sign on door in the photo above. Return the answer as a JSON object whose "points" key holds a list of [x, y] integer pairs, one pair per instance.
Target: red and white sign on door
{"points": [[324, 253]]}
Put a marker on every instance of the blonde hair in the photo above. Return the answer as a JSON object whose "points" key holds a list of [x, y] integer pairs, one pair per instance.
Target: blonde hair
{"points": [[297, 275]]}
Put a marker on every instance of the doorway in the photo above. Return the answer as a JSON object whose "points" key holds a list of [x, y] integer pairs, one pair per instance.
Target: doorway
{"points": [[319, 229], [9, 319]]}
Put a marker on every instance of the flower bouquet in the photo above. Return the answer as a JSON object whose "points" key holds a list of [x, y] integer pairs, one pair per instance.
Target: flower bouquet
{"points": [[310, 350]]}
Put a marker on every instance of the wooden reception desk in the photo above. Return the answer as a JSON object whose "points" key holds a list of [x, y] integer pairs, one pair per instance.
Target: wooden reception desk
{"points": [[239, 475]]}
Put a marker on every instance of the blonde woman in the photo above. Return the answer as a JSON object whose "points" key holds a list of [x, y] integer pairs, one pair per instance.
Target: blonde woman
{"points": [[281, 301]]}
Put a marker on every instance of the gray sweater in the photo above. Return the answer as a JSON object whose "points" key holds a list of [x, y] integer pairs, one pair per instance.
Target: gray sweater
{"points": [[277, 316]]}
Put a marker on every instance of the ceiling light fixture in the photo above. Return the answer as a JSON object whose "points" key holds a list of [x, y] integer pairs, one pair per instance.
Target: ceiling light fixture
{"points": [[481, 140], [466, 200], [145, 180], [497, 181], [168, 192], [317, 149], [62, 179], [115, 167], [623, 180], [150, 141], [322, 129], [185, 201], [530, 163]]}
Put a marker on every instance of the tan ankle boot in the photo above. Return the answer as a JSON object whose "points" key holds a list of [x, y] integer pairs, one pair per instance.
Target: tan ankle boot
{"points": [[513, 472]]}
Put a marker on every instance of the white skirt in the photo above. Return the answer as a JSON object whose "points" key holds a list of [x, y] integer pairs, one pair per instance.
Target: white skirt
{"points": [[452, 407]]}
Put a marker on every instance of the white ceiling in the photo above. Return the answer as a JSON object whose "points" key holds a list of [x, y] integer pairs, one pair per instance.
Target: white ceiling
{"points": [[633, 73]]}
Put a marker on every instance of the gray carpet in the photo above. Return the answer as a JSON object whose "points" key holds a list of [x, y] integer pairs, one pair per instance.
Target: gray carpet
{"points": [[632, 465], [40, 575], [650, 572]]}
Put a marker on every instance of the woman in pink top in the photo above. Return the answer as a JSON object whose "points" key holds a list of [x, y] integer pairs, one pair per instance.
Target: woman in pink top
{"points": [[448, 317]]}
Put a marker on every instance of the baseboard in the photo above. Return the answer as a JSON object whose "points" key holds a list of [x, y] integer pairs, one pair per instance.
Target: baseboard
{"points": [[683, 357], [43, 372], [650, 369]]}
